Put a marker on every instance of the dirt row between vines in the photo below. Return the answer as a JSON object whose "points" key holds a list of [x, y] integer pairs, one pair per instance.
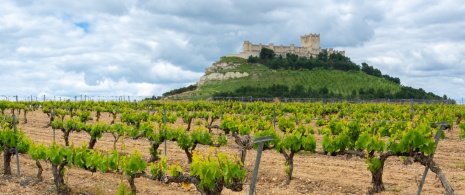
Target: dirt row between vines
{"points": [[313, 173]]}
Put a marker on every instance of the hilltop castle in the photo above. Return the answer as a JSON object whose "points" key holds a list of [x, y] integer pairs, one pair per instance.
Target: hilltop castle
{"points": [[310, 46]]}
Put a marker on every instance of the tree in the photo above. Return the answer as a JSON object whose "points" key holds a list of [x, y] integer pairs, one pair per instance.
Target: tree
{"points": [[323, 55], [367, 69], [252, 59], [266, 54]]}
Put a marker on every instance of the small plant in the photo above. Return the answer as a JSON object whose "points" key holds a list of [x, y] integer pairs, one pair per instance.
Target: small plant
{"points": [[462, 131], [123, 190], [461, 165]]}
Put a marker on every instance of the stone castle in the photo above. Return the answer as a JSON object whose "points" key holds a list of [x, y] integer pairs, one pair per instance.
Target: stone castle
{"points": [[310, 46]]}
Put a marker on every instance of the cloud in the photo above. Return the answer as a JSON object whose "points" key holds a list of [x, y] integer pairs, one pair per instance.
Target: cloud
{"points": [[150, 47]]}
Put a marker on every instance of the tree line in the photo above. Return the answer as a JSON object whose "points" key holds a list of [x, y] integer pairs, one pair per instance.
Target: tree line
{"points": [[334, 61], [180, 90], [299, 91]]}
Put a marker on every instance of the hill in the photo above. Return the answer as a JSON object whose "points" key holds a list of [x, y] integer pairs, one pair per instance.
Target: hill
{"points": [[327, 76]]}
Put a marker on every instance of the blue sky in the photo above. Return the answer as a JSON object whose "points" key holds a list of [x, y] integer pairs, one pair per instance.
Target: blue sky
{"points": [[144, 48]]}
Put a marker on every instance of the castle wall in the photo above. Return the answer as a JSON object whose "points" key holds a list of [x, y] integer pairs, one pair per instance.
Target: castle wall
{"points": [[310, 47]]}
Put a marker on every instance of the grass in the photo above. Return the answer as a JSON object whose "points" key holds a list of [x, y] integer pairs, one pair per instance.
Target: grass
{"points": [[395, 189], [336, 81], [233, 60], [461, 165]]}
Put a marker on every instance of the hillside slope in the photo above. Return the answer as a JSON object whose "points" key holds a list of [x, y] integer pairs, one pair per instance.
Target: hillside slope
{"points": [[232, 76]]}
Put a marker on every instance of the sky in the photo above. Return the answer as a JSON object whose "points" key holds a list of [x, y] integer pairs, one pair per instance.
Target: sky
{"points": [[143, 48]]}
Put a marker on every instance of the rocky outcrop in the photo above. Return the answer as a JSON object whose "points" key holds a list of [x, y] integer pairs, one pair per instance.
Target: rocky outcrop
{"points": [[217, 72], [221, 66], [221, 77]]}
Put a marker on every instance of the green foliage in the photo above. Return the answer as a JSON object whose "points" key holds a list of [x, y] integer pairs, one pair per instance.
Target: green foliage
{"points": [[285, 124], [123, 189], [267, 54], [97, 129], [57, 153], [159, 168], [212, 168], [369, 143], [230, 123], [180, 90], [320, 122], [84, 116], [132, 164], [269, 132], [38, 151], [175, 170], [462, 131], [296, 141], [374, 164], [18, 140], [338, 142], [222, 140], [119, 129], [418, 138], [232, 60]]}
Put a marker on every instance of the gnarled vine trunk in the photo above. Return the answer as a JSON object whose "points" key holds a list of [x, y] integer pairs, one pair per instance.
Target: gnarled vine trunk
{"points": [[39, 171], [58, 174], [7, 154], [245, 143], [66, 136], [377, 180], [189, 155], [116, 138], [153, 151], [92, 143], [25, 118], [132, 184], [377, 176], [290, 165]]}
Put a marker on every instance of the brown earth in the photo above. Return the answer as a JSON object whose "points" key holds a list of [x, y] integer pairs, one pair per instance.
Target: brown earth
{"points": [[313, 173]]}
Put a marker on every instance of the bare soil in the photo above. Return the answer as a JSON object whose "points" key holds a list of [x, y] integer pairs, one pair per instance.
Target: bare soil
{"points": [[313, 173]]}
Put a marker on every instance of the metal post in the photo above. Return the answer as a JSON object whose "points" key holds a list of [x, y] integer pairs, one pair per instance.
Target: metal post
{"points": [[349, 112], [221, 110], [53, 115], [274, 116], [438, 135], [261, 141], [16, 149], [413, 112], [164, 124]]}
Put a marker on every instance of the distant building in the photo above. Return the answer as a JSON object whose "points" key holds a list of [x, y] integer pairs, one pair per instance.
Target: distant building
{"points": [[310, 46]]}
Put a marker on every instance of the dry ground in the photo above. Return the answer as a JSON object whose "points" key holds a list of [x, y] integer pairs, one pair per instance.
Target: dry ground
{"points": [[313, 173]]}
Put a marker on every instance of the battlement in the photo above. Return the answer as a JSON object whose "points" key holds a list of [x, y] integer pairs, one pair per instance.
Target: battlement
{"points": [[310, 46]]}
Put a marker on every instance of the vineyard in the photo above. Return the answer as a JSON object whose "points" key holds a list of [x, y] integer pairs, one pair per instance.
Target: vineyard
{"points": [[207, 147]]}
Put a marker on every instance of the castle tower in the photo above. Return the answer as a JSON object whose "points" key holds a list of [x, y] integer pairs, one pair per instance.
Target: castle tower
{"points": [[310, 41], [247, 46]]}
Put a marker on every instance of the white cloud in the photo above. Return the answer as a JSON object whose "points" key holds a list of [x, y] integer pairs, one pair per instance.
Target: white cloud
{"points": [[141, 47]]}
